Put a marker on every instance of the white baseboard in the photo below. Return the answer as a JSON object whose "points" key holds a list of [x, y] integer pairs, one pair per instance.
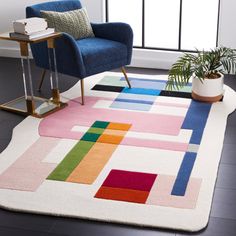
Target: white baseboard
{"points": [[141, 57], [154, 59], [11, 52]]}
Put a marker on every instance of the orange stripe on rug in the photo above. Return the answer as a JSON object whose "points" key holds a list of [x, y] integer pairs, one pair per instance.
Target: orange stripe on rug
{"points": [[122, 194], [119, 126], [114, 132], [92, 164], [111, 139]]}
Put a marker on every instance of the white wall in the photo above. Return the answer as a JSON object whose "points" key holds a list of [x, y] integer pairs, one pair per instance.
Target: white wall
{"points": [[227, 30], [15, 9], [95, 9], [11, 10]]}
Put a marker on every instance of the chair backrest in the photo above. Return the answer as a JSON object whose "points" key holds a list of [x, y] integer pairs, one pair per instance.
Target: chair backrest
{"points": [[60, 6], [40, 50]]}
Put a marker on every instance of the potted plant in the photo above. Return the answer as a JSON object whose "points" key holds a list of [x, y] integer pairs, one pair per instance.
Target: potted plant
{"points": [[207, 69]]}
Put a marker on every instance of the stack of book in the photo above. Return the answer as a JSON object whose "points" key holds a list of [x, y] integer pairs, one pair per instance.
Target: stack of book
{"points": [[30, 28]]}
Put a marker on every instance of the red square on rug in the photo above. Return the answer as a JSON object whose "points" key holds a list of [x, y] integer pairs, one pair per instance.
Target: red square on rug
{"points": [[130, 180]]}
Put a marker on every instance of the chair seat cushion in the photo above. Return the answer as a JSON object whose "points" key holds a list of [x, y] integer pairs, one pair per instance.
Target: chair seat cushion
{"points": [[101, 54]]}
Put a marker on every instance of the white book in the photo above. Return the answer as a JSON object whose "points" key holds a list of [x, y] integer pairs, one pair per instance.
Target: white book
{"points": [[29, 25], [35, 35]]}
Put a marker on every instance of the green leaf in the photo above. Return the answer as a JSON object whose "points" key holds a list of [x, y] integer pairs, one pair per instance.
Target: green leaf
{"points": [[202, 64]]}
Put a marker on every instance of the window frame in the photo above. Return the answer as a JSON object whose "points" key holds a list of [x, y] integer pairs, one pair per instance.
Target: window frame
{"points": [[180, 28]]}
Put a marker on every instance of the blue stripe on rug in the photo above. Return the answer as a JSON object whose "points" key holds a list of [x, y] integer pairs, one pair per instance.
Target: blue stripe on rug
{"points": [[196, 119], [148, 84], [141, 97], [133, 101], [131, 106], [184, 173], [143, 79], [153, 92], [151, 80]]}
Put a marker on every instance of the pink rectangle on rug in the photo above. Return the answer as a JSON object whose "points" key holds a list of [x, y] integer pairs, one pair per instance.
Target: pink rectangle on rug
{"points": [[28, 172], [61, 123], [160, 193], [130, 180], [173, 146]]}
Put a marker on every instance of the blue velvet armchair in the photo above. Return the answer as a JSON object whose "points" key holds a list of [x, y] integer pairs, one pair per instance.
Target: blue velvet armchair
{"points": [[111, 47]]}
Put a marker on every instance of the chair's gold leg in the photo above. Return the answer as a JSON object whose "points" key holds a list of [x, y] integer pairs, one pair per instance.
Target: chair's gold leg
{"points": [[42, 79], [82, 90], [126, 77]]}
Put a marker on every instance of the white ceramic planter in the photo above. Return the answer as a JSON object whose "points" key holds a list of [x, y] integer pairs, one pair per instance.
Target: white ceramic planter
{"points": [[209, 90]]}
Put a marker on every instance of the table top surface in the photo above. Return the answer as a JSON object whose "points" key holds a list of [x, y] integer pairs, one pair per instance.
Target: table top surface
{"points": [[6, 36]]}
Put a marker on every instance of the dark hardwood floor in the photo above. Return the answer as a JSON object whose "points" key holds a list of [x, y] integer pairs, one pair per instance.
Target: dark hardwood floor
{"points": [[223, 214]]}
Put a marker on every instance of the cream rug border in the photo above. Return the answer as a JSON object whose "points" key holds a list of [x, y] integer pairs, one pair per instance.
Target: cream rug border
{"points": [[121, 212]]}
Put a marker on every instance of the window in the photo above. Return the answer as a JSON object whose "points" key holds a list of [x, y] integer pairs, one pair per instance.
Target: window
{"points": [[129, 11], [179, 25]]}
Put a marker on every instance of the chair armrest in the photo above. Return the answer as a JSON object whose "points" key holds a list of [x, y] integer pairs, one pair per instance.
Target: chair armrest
{"points": [[68, 56], [115, 31]]}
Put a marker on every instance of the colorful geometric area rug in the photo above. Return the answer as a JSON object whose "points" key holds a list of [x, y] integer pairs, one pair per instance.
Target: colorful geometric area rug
{"points": [[142, 156]]}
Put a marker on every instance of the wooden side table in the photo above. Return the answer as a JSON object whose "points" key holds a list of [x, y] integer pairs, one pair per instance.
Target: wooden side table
{"points": [[30, 104]]}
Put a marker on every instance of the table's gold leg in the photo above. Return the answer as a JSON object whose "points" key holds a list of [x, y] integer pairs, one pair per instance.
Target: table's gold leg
{"points": [[30, 106], [56, 96]]}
